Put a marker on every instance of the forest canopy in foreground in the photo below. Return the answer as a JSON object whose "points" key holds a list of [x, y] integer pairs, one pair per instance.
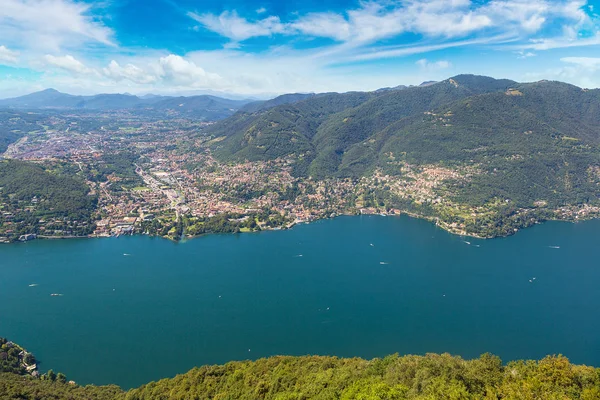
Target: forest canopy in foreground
{"points": [[312, 377]]}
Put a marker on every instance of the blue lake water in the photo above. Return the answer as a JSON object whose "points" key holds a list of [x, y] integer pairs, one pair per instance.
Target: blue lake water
{"points": [[352, 286]]}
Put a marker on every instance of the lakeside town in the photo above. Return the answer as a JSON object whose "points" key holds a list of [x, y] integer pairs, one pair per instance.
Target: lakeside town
{"points": [[160, 178]]}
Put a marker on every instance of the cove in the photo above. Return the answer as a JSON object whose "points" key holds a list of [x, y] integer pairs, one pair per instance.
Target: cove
{"points": [[136, 309]]}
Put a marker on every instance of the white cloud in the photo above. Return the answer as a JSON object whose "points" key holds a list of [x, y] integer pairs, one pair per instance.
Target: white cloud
{"points": [[591, 63], [129, 72], [33, 28], [68, 63], [50, 24], [581, 71], [376, 20], [433, 65], [8, 56], [181, 72], [229, 24], [522, 54], [401, 51], [329, 25], [559, 43]]}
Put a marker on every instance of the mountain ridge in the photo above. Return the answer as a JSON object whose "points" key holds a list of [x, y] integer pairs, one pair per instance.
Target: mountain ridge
{"points": [[206, 107], [504, 154]]}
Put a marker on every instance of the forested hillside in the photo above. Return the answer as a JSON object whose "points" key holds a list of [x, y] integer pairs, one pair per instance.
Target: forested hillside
{"points": [[487, 156], [321, 129], [430, 377], [15, 124], [258, 106], [34, 200]]}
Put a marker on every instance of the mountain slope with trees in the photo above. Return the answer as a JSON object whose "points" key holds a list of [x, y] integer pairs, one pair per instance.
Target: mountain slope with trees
{"points": [[526, 152]]}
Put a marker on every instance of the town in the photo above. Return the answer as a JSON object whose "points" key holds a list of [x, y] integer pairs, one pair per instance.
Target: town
{"points": [[160, 178]]}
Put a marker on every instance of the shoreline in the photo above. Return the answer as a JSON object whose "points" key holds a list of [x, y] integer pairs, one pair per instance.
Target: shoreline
{"points": [[434, 220]]}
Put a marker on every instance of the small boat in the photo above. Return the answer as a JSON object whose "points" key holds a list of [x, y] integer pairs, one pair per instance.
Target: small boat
{"points": [[554, 247], [467, 242], [33, 285], [126, 254], [56, 294], [383, 263]]}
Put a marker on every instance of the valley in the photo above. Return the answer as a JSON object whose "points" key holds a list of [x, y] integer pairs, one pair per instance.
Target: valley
{"points": [[477, 156]]}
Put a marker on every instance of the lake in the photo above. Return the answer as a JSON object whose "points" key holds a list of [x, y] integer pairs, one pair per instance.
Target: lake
{"points": [[135, 309]]}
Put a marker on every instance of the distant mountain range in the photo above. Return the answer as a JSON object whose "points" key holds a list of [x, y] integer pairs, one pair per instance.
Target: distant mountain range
{"points": [[206, 107], [203, 107]]}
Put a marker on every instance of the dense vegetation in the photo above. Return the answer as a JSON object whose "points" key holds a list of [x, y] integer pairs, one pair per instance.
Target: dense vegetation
{"points": [[12, 357], [15, 124], [535, 147], [410, 377], [121, 165], [29, 388], [320, 130], [277, 101], [430, 377], [32, 197]]}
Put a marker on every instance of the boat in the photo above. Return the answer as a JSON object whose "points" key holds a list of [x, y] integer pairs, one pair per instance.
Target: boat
{"points": [[56, 294]]}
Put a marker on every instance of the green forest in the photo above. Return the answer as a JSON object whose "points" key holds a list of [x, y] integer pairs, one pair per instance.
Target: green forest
{"points": [[15, 124], [429, 377], [535, 147], [33, 197]]}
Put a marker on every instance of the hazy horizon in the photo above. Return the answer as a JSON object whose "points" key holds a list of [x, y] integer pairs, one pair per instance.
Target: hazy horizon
{"points": [[262, 48]]}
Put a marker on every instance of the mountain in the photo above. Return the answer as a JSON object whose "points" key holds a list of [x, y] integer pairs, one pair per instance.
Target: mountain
{"points": [[324, 127], [110, 102], [203, 107], [402, 87], [277, 101], [499, 154], [48, 98]]}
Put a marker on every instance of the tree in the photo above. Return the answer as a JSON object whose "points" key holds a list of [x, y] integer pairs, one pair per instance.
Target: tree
{"points": [[50, 375], [62, 378]]}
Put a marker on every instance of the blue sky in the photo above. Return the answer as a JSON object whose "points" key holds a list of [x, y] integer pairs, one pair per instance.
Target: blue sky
{"points": [[261, 48]]}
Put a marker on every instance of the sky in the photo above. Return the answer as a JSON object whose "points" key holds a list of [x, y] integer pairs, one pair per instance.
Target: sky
{"points": [[261, 48]]}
